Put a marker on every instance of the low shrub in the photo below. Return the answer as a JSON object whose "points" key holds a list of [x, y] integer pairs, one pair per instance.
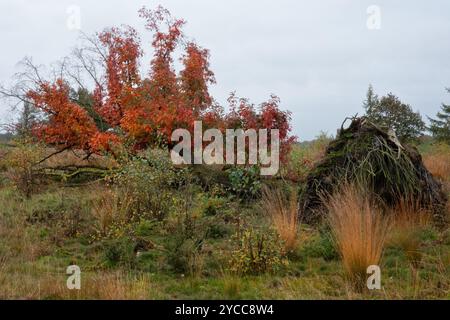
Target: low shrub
{"points": [[303, 157], [120, 252], [21, 165], [111, 214], [145, 228], [148, 182], [185, 245], [257, 252], [185, 256], [218, 230], [245, 182], [213, 206]]}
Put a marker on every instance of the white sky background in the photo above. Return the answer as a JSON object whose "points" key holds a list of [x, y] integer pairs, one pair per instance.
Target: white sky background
{"points": [[317, 56]]}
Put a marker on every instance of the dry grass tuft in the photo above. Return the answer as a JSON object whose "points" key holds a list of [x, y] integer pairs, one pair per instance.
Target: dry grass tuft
{"points": [[438, 163], [359, 230], [118, 286], [409, 220], [101, 286], [110, 210], [283, 213], [231, 286]]}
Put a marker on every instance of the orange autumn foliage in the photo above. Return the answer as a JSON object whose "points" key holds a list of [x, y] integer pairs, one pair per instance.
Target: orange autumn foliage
{"points": [[143, 111], [67, 124], [121, 72]]}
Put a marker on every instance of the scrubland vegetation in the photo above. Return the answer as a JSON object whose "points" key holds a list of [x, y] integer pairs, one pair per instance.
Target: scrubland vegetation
{"points": [[86, 179], [153, 231]]}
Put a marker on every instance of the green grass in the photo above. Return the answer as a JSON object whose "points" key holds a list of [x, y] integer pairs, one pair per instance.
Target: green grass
{"points": [[41, 236], [313, 272]]}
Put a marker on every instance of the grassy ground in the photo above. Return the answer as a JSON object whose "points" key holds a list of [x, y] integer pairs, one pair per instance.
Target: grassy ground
{"points": [[195, 251]]}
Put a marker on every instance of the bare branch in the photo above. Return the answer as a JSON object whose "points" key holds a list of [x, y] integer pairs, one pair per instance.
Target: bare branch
{"points": [[53, 154]]}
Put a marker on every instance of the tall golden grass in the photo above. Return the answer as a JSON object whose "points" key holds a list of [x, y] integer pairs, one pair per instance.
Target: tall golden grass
{"points": [[359, 229], [437, 161], [438, 165], [283, 213]]}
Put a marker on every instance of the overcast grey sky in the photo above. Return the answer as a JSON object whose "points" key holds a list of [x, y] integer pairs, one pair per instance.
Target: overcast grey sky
{"points": [[317, 56]]}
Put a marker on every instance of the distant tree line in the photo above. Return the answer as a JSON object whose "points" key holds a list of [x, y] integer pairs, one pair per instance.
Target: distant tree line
{"points": [[390, 112]]}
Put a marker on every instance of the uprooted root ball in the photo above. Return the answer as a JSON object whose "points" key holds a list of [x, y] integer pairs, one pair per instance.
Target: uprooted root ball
{"points": [[367, 155]]}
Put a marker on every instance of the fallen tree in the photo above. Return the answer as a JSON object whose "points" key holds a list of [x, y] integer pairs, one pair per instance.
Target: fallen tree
{"points": [[368, 155]]}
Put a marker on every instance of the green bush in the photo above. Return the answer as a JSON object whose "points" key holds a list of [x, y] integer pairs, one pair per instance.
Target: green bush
{"points": [[213, 206], [186, 257], [21, 165], [185, 245], [148, 181], [245, 182], [321, 246], [145, 228], [218, 230], [257, 252], [303, 157], [120, 252]]}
